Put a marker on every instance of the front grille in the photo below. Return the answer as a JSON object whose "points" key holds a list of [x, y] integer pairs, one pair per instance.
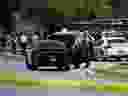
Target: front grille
{"points": [[45, 60], [48, 58]]}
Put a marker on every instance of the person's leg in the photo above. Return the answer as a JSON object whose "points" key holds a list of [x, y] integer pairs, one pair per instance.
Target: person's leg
{"points": [[76, 57], [87, 64], [88, 72]]}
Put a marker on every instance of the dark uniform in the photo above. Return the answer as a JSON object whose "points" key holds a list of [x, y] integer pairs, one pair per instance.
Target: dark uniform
{"points": [[79, 53], [86, 50]]}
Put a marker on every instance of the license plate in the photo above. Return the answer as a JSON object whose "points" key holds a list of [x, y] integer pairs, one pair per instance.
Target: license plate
{"points": [[47, 67]]}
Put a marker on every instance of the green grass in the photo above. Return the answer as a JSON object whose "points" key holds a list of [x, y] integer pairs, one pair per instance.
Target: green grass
{"points": [[115, 72], [26, 81]]}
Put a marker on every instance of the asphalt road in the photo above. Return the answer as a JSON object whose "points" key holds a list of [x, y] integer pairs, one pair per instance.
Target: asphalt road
{"points": [[16, 64], [52, 92]]}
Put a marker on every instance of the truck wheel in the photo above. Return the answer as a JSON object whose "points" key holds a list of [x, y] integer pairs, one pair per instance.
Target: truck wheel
{"points": [[59, 68], [68, 67]]}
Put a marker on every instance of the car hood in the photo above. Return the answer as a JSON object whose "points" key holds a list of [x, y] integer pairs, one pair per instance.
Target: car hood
{"points": [[49, 44]]}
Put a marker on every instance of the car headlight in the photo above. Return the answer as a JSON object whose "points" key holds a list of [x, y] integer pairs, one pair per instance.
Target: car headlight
{"points": [[117, 51], [23, 38]]}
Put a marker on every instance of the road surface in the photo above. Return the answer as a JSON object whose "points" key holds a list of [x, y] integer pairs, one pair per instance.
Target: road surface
{"points": [[16, 64]]}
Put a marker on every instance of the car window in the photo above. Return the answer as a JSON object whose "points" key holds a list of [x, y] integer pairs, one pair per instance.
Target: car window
{"points": [[117, 41], [50, 44], [114, 34]]}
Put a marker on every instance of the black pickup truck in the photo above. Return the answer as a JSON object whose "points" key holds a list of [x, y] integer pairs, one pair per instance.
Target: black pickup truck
{"points": [[49, 55], [56, 53]]}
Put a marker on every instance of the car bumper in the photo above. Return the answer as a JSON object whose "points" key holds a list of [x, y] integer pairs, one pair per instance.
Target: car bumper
{"points": [[49, 59]]}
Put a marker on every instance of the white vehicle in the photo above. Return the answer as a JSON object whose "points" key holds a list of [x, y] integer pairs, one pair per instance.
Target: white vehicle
{"points": [[114, 44]]}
